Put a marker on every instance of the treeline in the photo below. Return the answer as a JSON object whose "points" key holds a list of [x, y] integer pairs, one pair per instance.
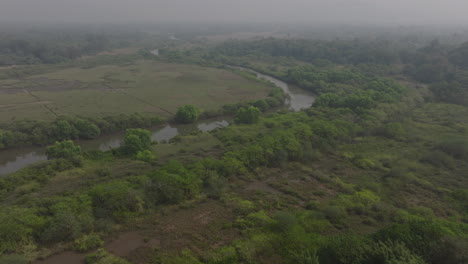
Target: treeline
{"points": [[34, 132], [56, 48], [444, 68]]}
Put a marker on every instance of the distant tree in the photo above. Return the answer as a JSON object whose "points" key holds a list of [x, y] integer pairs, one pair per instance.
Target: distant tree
{"points": [[187, 114], [63, 150], [262, 105], [86, 129], [63, 130], [136, 140], [249, 115]]}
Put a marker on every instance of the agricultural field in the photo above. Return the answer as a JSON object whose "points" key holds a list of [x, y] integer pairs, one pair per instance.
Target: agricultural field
{"points": [[140, 86]]}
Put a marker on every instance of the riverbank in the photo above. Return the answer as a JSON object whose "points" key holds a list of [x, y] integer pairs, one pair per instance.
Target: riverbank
{"points": [[15, 159]]}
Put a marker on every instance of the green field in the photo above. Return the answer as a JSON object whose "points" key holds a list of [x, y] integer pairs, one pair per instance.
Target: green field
{"points": [[142, 86]]}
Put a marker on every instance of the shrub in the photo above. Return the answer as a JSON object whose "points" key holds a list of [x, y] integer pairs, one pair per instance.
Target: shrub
{"points": [[438, 159], [88, 242], [187, 114], [86, 129], [136, 140], [172, 184], [115, 199], [70, 217], [63, 150], [420, 236], [17, 228], [262, 105], [456, 147], [146, 156], [394, 131], [249, 115], [103, 257]]}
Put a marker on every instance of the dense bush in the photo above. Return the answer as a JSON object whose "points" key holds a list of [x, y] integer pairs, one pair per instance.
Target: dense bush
{"points": [[87, 242], [63, 150], [249, 115], [18, 227], [187, 114], [136, 140], [456, 147], [34, 132], [115, 200], [69, 218]]}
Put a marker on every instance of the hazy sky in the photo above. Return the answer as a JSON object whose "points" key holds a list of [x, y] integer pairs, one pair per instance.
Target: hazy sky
{"points": [[276, 11]]}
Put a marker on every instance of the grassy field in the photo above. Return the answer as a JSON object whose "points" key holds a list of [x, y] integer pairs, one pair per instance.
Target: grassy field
{"points": [[140, 86]]}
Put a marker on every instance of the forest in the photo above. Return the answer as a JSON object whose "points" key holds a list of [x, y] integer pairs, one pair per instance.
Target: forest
{"points": [[375, 172]]}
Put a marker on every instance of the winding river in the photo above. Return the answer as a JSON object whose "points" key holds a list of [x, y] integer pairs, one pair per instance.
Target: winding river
{"points": [[14, 159]]}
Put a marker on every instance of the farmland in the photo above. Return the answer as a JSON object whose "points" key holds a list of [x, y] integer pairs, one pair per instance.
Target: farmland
{"points": [[138, 86]]}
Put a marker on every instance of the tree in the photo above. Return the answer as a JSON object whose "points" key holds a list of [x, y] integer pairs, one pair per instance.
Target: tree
{"points": [[146, 156], [63, 150], [115, 199], [63, 130], [136, 140], [187, 114], [86, 129], [70, 218], [249, 115]]}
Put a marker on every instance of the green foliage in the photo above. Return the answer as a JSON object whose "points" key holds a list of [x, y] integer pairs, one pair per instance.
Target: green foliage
{"points": [[392, 253], [36, 132], [63, 130], [185, 257], [393, 131], [87, 130], [136, 140], [421, 237], [63, 150], [456, 147], [70, 218], [249, 115], [87, 242], [103, 257], [115, 200], [187, 114], [172, 183], [146, 156], [18, 226]]}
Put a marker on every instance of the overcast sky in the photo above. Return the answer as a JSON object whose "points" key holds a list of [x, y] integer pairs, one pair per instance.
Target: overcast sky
{"points": [[270, 11]]}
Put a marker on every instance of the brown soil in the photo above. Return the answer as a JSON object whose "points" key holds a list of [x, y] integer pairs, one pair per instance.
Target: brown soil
{"points": [[198, 228], [67, 257]]}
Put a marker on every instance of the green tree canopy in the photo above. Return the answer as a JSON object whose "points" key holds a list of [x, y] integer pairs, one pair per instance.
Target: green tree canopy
{"points": [[249, 115], [136, 140], [63, 150], [187, 114]]}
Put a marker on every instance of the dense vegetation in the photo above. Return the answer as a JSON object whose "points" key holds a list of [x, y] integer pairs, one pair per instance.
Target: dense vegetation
{"points": [[375, 172], [50, 47], [37, 132]]}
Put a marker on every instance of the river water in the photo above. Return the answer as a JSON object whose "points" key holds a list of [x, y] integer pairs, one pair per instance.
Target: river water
{"points": [[14, 159]]}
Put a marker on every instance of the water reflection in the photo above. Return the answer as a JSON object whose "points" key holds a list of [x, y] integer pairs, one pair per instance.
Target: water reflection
{"points": [[13, 160], [20, 158]]}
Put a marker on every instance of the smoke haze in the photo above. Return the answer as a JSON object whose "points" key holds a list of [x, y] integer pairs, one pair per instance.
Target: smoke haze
{"points": [[263, 11]]}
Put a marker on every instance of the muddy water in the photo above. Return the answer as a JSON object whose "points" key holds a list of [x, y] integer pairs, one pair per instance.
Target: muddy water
{"points": [[298, 98], [15, 159]]}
